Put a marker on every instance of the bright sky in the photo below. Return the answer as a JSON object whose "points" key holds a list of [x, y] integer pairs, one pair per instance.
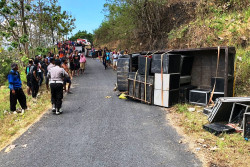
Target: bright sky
{"points": [[88, 13]]}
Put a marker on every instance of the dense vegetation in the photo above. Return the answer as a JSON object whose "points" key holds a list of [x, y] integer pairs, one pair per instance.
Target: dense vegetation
{"points": [[82, 35], [28, 28]]}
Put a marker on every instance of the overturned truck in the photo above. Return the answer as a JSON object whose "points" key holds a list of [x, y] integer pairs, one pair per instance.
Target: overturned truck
{"points": [[174, 76]]}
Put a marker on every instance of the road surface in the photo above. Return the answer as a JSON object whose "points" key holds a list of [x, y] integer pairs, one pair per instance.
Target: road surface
{"points": [[95, 131]]}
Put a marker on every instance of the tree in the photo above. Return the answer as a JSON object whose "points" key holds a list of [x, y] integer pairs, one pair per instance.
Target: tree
{"points": [[82, 35], [14, 16]]}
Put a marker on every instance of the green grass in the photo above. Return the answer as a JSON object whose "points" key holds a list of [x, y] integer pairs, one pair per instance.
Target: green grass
{"points": [[12, 125]]}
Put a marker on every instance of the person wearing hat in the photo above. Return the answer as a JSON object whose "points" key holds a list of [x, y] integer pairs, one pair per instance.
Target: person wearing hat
{"points": [[56, 75], [16, 91]]}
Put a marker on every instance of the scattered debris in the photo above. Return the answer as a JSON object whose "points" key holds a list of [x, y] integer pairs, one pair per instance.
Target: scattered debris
{"points": [[191, 109], [197, 149], [108, 97], [9, 148], [214, 148], [24, 146], [201, 141], [205, 146], [122, 96], [223, 107], [218, 128]]}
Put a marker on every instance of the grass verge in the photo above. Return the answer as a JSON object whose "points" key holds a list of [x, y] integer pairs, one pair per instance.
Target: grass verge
{"points": [[12, 126], [225, 150]]}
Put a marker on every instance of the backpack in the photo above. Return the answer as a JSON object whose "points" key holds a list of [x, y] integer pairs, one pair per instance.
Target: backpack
{"points": [[30, 72]]}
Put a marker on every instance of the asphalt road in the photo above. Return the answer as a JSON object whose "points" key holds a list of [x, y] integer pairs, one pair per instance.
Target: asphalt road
{"points": [[95, 131]]}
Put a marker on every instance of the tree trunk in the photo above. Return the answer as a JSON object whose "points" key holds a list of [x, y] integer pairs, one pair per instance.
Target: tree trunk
{"points": [[24, 28]]}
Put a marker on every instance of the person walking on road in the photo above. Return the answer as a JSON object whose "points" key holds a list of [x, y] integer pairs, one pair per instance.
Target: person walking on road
{"points": [[56, 75], [66, 79], [82, 62], [115, 59], [51, 64], [77, 63], [104, 58], [16, 91]]}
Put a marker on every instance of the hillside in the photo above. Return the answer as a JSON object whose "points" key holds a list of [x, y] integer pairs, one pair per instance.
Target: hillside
{"points": [[153, 25]]}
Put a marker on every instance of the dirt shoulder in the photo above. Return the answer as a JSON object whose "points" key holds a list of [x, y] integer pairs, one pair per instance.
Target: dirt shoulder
{"points": [[226, 150], [13, 126]]}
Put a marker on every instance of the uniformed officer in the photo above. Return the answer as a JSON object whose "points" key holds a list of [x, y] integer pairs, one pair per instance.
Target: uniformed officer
{"points": [[56, 75]]}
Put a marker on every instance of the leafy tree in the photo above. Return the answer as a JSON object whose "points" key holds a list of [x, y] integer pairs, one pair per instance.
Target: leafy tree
{"points": [[14, 16], [82, 35]]}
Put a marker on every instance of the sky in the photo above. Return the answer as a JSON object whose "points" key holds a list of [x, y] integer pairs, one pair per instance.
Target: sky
{"points": [[88, 13]]}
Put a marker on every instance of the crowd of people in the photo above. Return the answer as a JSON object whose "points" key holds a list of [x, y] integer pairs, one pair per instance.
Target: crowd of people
{"points": [[107, 56], [57, 70]]}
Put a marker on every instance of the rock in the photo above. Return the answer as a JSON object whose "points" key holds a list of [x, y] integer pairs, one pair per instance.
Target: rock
{"points": [[191, 109], [220, 38], [9, 148], [180, 141], [214, 148], [244, 38]]}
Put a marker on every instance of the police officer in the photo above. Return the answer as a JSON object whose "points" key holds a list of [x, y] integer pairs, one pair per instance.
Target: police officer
{"points": [[16, 91], [56, 75]]}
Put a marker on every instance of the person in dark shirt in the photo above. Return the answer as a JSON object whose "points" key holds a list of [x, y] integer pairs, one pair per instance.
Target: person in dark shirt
{"points": [[40, 70], [99, 52], [71, 65], [16, 91], [28, 75], [45, 69], [35, 80], [104, 60], [77, 63]]}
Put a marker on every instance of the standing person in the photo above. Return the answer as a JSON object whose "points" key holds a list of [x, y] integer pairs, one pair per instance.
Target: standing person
{"points": [[111, 58], [45, 69], [35, 80], [104, 58], [29, 75], [71, 65], [66, 79], [108, 58], [115, 59], [56, 75], [76, 63], [99, 53], [51, 64], [61, 53], [82, 62], [40, 70], [16, 91], [126, 52]]}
